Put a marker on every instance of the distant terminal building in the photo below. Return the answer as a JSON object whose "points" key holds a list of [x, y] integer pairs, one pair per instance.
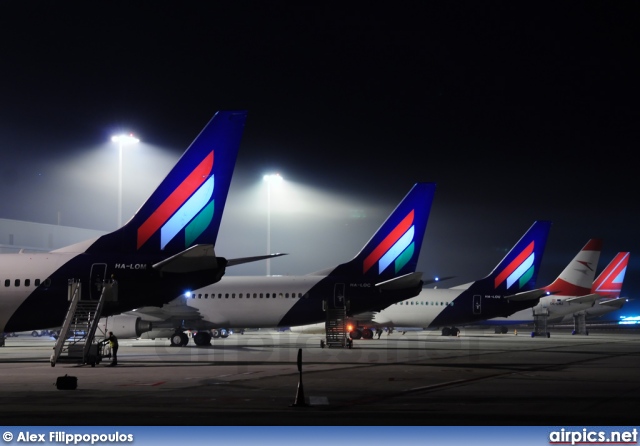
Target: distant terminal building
{"points": [[16, 235]]}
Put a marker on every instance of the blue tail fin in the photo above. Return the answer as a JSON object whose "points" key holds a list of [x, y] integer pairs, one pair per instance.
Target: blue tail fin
{"points": [[519, 269], [394, 249], [186, 209]]}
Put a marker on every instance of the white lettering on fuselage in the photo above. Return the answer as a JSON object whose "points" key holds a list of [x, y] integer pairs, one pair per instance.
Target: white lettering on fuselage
{"points": [[131, 266], [492, 296], [360, 285]]}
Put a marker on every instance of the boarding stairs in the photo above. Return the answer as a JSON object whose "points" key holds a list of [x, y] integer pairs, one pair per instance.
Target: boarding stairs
{"points": [[76, 341], [580, 324], [336, 328], [540, 324]]}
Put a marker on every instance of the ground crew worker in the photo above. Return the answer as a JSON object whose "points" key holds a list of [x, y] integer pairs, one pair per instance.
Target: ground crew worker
{"points": [[113, 343]]}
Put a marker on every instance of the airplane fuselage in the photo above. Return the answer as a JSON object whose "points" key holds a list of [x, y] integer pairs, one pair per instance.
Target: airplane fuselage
{"points": [[281, 301], [34, 286], [447, 307]]}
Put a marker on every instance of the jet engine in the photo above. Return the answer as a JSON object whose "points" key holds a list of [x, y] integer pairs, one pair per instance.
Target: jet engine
{"points": [[125, 326]]}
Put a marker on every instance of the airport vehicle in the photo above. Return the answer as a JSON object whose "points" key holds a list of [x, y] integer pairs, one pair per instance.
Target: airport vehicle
{"points": [[382, 273], [510, 287], [166, 248]]}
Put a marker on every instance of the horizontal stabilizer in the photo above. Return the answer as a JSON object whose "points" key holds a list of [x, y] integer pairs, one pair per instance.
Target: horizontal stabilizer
{"points": [[241, 260], [584, 299], [196, 258], [438, 280], [402, 282], [527, 295], [613, 303]]}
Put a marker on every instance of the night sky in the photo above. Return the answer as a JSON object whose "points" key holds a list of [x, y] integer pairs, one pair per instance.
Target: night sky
{"points": [[518, 111]]}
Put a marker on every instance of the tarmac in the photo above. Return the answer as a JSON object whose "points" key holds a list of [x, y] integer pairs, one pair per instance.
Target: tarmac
{"points": [[419, 378]]}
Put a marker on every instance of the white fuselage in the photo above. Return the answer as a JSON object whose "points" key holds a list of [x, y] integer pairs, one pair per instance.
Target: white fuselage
{"points": [[251, 302], [21, 274], [419, 311]]}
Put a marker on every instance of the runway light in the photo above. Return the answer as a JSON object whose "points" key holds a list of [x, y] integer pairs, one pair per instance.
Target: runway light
{"points": [[629, 320]]}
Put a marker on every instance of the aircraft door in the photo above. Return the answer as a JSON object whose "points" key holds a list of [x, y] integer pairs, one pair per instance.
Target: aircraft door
{"points": [[338, 296], [98, 276], [477, 304]]}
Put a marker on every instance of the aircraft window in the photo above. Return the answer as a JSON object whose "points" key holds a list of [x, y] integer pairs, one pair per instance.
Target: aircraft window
{"points": [[233, 296], [240, 295], [261, 296], [267, 295], [206, 296], [37, 282], [7, 282], [27, 282], [199, 296], [255, 295], [47, 282], [17, 282], [226, 295], [280, 295], [287, 295]]}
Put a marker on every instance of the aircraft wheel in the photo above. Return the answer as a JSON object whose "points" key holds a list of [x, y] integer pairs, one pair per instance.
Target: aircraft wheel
{"points": [[367, 333], [176, 339], [34, 334], [184, 339], [446, 331], [202, 338], [224, 333], [504, 330], [215, 333], [356, 334]]}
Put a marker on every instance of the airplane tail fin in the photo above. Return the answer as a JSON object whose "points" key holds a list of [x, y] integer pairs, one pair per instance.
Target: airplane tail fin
{"points": [[394, 249], [609, 282], [576, 279], [186, 209], [518, 270]]}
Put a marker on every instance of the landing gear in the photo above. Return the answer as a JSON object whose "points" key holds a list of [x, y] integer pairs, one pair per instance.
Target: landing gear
{"points": [[202, 338], [450, 331], [179, 339]]}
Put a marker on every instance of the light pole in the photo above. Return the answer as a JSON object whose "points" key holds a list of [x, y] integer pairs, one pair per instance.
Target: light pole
{"points": [[270, 179], [122, 140]]}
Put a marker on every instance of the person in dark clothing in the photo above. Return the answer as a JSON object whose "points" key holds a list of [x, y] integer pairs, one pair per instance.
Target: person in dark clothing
{"points": [[113, 343]]}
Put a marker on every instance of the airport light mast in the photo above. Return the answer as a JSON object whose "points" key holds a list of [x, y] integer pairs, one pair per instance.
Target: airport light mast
{"points": [[122, 140], [271, 178]]}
